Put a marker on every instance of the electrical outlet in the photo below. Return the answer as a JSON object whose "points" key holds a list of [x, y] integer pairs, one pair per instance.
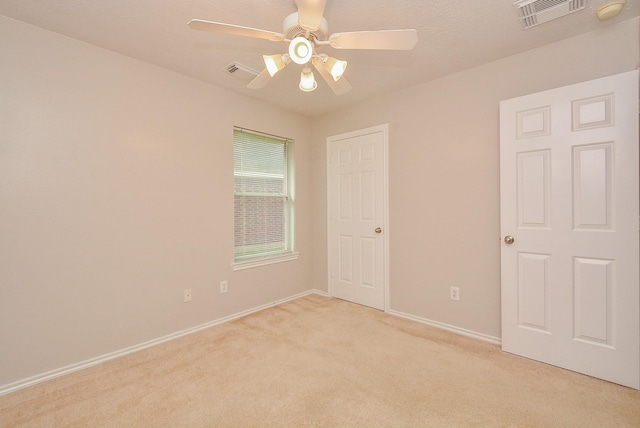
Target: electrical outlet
{"points": [[455, 293], [224, 286], [187, 295]]}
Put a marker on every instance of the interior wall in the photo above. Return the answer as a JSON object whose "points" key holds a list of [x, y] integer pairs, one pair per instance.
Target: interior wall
{"points": [[116, 194], [444, 199]]}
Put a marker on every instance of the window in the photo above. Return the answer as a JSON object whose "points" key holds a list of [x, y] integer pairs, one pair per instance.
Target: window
{"points": [[263, 198]]}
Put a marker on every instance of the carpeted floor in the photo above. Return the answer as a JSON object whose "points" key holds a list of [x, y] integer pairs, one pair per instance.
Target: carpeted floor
{"points": [[321, 362]]}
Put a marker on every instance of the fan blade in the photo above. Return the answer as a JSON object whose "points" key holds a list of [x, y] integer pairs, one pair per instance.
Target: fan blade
{"points": [[260, 81], [342, 86], [218, 27], [403, 40], [310, 13]]}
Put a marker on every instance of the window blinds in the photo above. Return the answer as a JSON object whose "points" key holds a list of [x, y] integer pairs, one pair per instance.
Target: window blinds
{"points": [[261, 199]]}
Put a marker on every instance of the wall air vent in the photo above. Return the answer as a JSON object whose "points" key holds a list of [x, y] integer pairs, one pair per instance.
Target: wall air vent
{"points": [[241, 71], [534, 12]]}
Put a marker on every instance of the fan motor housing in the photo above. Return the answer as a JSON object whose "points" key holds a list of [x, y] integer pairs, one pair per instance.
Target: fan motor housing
{"points": [[291, 29]]}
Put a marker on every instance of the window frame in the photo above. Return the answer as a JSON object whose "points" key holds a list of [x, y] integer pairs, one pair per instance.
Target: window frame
{"points": [[266, 258]]}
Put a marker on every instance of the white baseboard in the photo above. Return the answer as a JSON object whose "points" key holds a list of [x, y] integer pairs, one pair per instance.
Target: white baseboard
{"points": [[24, 383], [319, 292], [451, 328]]}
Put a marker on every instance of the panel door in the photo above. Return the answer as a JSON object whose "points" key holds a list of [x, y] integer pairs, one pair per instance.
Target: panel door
{"points": [[569, 222], [357, 228]]}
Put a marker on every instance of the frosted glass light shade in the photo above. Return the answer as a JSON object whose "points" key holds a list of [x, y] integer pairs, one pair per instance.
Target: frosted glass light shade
{"points": [[274, 63], [300, 50], [307, 80], [335, 67]]}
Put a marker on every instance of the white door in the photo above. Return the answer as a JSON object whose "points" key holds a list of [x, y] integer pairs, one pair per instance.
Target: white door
{"points": [[569, 222], [357, 199]]}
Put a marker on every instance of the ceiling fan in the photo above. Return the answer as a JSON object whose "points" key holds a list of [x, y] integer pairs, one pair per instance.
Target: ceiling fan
{"points": [[305, 31]]}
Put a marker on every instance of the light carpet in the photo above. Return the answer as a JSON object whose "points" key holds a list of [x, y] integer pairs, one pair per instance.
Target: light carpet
{"points": [[321, 362]]}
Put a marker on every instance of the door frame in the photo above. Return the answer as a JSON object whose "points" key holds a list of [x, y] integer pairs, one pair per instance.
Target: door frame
{"points": [[384, 129]]}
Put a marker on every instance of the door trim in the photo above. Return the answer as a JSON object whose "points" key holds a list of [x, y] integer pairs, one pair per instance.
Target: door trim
{"points": [[384, 129]]}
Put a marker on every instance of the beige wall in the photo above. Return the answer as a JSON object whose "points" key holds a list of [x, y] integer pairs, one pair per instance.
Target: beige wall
{"points": [[444, 173], [116, 189]]}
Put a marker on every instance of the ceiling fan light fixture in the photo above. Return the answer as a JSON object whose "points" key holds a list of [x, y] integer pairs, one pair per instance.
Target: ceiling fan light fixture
{"points": [[335, 67], [306, 29], [275, 63], [307, 80], [300, 50]]}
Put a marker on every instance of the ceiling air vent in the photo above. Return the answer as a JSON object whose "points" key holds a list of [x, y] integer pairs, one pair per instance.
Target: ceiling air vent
{"points": [[534, 12], [241, 71]]}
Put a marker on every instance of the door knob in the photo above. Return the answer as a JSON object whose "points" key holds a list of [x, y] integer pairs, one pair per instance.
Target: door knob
{"points": [[509, 239], [378, 230]]}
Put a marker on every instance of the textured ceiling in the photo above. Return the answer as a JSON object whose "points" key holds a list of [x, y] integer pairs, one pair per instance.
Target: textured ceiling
{"points": [[453, 35]]}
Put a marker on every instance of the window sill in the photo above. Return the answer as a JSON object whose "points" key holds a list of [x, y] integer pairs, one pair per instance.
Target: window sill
{"points": [[263, 261]]}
